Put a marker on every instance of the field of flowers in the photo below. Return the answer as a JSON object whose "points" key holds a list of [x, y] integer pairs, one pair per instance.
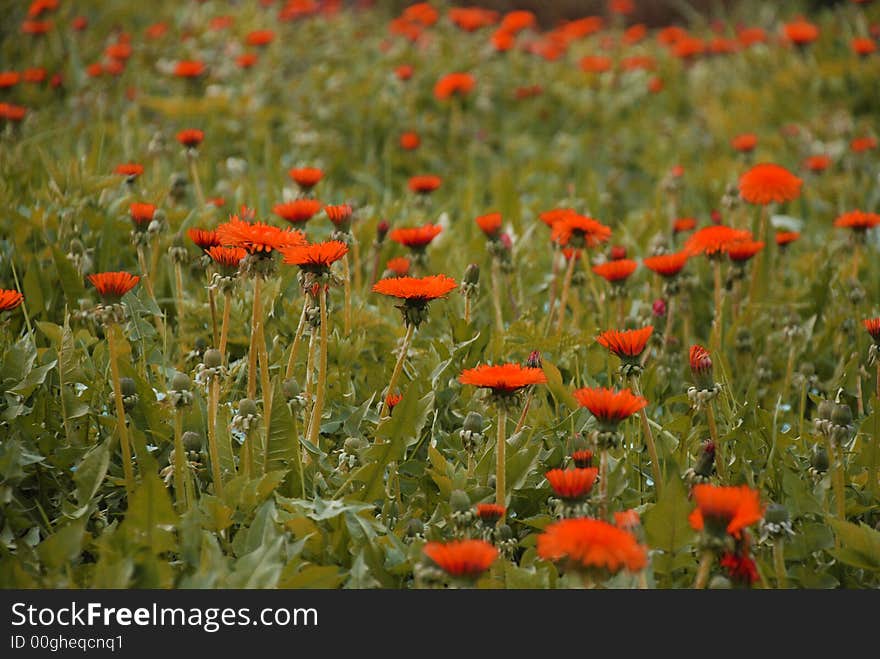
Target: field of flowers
{"points": [[312, 294]]}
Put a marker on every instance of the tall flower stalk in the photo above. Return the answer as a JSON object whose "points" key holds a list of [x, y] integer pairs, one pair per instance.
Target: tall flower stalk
{"points": [[702, 396]]}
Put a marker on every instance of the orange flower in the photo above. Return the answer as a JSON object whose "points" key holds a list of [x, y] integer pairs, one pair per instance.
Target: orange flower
{"points": [[700, 362], [156, 31], [419, 290], [399, 265], [638, 63], [204, 239], [9, 299], [749, 36], [392, 401], [12, 112], [471, 19], [36, 27], [490, 513], [227, 258], [462, 558], [591, 544], [517, 21], [629, 344], [317, 257], [784, 238], [610, 407], [425, 184], [502, 378], [628, 520], [873, 327], [616, 271], [297, 211], [666, 265], [745, 142], [259, 38], [340, 215], [141, 214], [404, 72], [767, 183], [622, 7], [421, 12], [744, 250], [9, 79], [113, 285], [863, 46], [256, 237], [490, 224], [857, 221], [246, 60], [34, 75], [120, 51], [130, 169], [579, 230], [688, 48], [582, 459], [670, 35], [862, 144], [306, 177], [191, 137], [410, 141], [634, 34], [416, 237], [684, 224], [725, 510], [714, 240], [800, 32], [572, 484], [552, 216], [189, 69], [595, 64], [454, 84], [817, 163]]}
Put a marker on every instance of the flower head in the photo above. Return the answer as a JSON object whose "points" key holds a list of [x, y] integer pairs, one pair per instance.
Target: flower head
{"points": [[616, 271], [415, 237], [490, 224], [628, 344], [740, 567], [745, 142], [257, 237], [9, 299], [306, 177], [742, 251], [818, 163], [189, 69], [424, 184], [454, 84], [392, 401], [574, 230], [553, 215], [297, 211], [315, 256], [700, 362], [684, 224], [190, 137], [340, 215], [591, 544], [399, 265], [502, 379], [572, 484], [768, 183], [800, 32], [725, 510], [610, 407], [130, 169], [667, 265], [204, 239], [141, 214], [490, 513], [113, 285], [416, 293], [715, 240], [862, 144], [857, 221], [228, 258], [784, 238], [873, 327], [462, 558], [410, 141], [259, 38]]}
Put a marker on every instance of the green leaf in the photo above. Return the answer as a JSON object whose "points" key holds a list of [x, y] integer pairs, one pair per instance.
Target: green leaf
{"points": [[557, 388], [666, 523], [91, 471], [63, 547], [315, 577], [68, 277], [859, 545], [150, 519]]}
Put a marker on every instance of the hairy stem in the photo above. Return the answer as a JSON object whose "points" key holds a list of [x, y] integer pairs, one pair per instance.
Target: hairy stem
{"points": [[398, 368], [318, 409], [649, 440], [122, 429], [500, 461], [297, 339]]}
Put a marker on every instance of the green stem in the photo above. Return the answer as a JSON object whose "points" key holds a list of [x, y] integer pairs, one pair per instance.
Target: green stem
{"points": [[318, 409], [496, 296], [720, 464], [179, 464], [779, 562], [500, 461], [346, 283], [253, 350], [703, 571], [563, 298], [122, 429], [213, 452], [291, 361], [398, 367], [649, 440]]}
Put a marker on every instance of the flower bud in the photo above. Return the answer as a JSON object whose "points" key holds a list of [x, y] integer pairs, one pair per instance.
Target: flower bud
{"points": [[247, 407], [819, 459], [701, 367], [618, 253], [825, 408], [504, 532], [415, 527], [127, 386], [841, 415], [213, 358], [776, 513], [705, 465], [459, 500], [473, 422], [180, 382], [192, 441], [353, 445], [472, 274], [382, 231], [534, 360], [659, 308]]}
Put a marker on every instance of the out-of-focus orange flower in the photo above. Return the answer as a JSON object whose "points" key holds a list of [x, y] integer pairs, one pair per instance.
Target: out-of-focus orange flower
{"points": [[190, 137], [667, 265], [399, 265], [723, 46], [421, 12], [10, 299], [111, 286], [800, 32], [744, 250], [410, 141], [257, 237], [622, 7], [684, 224], [502, 379], [454, 84], [36, 28], [466, 559], [784, 238], [11, 112], [490, 224], [9, 79], [655, 85], [219, 23], [725, 510], [553, 215], [714, 240], [575, 230], [634, 34], [744, 142], [862, 144], [297, 211], [572, 484], [404, 72], [517, 21], [315, 257], [818, 163], [415, 237], [79, 23], [591, 545], [857, 220], [616, 271], [863, 46], [246, 60], [129, 169], [34, 75], [471, 19], [749, 36], [638, 63], [767, 183], [688, 48], [141, 214], [189, 69], [306, 177], [595, 63], [628, 520], [627, 344], [424, 184], [39, 7], [502, 40], [671, 34], [259, 38], [610, 407], [120, 51]]}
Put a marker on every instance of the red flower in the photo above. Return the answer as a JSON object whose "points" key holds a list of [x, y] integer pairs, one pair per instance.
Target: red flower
{"points": [[744, 250], [191, 137], [256, 237], [862, 144], [552, 216], [422, 13], [873, 327], [10, 299], [800, 32], [863, 46], [715, 240], [817, 163], [471, 19], [784, 238], [610, 407], [502, 378], [12, 112], [454, 84], [306, 177], [767, 183], [297, 211], [259, 38], [417, 290], [36, 27], [572, 484], [688, 48], [424, 184], [315, 256], [118, 51], [340, 215], [227, 258], [578, 230], [113, 285], [392, 401], [700, 361], [204, 239], [34, 75], [591, 544], [616, 271], [141, 214], [246, 60], [502, 40], [857, 220], [399, 265], [517, 21], [130, 169], [745, 142], [749, 36], [595, 64], [582, 459], [490, 513], [684, 224], [667, 265], [627, 345], [156, 31], [618, 252], [490, 224], [403, 72], [462, 558], [725, 509], [410, 141], [740, 568], [9, 79], [416, 237], [189, 69]]}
